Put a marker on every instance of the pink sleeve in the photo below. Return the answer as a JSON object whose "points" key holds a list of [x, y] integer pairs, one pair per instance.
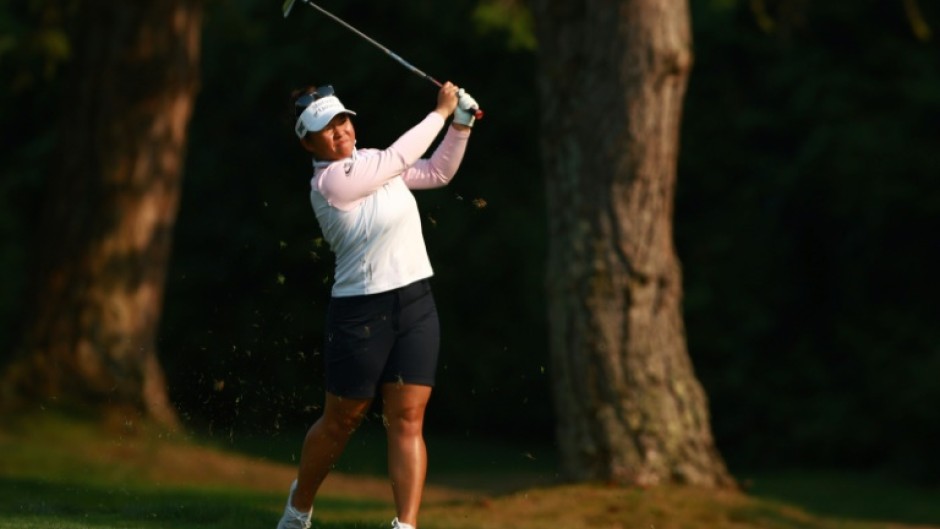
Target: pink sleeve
{"points": [[345, 182], [438, 170]]}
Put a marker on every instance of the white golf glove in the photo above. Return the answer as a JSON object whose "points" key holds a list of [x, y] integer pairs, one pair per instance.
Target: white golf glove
{"points": [[466, 106]]}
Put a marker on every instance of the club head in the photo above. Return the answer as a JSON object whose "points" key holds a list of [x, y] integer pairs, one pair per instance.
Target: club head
{"points": [[287, 6]]}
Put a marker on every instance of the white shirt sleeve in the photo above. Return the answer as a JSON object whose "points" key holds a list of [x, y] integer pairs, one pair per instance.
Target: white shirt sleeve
{"points": [[345, 182]]}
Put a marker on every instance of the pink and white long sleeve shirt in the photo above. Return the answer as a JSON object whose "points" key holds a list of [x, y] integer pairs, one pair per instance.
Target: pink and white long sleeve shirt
{"points": [[368, 215]]}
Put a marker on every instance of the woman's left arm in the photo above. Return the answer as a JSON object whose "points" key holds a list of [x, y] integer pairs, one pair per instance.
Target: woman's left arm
{"points": [[440, 168]]}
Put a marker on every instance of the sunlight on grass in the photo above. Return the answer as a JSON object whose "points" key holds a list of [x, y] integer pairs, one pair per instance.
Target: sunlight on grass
{"points": [[453, 460], [61, 471]]}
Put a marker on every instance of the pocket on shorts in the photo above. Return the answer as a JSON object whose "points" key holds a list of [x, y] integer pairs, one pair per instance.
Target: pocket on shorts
{"points": [[352, 324]]}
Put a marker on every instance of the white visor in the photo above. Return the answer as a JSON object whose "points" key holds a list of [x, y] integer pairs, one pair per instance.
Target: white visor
{"points": [[318, 114]]}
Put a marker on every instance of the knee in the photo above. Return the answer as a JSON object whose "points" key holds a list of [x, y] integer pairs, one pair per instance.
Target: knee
{"points": [[341, 424], [407, 421]]}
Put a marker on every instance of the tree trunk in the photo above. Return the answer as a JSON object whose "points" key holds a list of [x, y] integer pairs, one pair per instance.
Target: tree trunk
{"points": [[106, 228], [612, 77]]}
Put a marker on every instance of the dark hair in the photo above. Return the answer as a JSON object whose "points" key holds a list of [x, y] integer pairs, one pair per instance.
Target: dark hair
{"points": [[296, 111], [297, 94]]}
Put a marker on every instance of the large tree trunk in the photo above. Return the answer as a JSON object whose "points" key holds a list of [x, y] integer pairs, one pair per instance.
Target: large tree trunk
{"points": [[108, 216], [612, 79]]}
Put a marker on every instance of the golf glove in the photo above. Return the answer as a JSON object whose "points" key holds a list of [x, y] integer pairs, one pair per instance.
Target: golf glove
{"points": [[466, 106]]}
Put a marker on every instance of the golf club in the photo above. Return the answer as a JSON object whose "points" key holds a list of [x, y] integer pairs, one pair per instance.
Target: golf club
{"points": [[289, 4]]}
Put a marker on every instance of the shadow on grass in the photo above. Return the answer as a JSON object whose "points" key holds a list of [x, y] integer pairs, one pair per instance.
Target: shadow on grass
{"points": [[850, 495], [31, 503], [474, 463], [770, 518]]}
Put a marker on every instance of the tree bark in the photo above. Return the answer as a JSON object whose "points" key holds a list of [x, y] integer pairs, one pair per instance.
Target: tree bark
{"points": [[612, 77], [106, 228]]}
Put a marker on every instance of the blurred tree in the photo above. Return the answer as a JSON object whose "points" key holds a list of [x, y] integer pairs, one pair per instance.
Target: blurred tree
{"points": [[33, 48], [807, 174], [109, 210], [629, 407]]}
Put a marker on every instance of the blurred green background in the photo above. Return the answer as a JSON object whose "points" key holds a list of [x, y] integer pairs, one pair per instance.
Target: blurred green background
{"points": [[806, 218]]}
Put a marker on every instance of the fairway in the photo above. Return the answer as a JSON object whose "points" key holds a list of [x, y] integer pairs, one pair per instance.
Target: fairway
{"points": [[680, 260], [62, 472]]}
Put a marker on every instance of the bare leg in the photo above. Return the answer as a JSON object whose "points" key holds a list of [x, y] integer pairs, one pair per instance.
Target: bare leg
{"points": [[403, 408], [323, 445]]}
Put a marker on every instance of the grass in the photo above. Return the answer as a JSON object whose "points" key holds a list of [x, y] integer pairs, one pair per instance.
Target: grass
{"points": [[464, 462], [851, 495], [63, 472]]}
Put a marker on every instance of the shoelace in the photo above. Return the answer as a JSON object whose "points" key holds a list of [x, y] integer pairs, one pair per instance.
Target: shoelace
{"points": [[301, 517]]}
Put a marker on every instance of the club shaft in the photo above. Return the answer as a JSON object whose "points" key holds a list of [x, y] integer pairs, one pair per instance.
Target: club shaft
{"points": [[289, 3], [387, 51]]}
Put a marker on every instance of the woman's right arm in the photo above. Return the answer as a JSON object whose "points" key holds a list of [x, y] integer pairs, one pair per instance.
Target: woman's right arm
{"points": [[345, 182]]}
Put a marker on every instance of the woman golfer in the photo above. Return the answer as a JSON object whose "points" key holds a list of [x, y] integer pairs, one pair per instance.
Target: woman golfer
{"points": [[382, 332]]}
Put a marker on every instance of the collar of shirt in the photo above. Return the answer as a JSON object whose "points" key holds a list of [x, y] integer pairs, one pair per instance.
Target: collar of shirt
{"points": [[323, 164]]}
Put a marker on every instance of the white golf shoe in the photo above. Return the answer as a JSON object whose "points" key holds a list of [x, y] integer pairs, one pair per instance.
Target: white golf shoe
{"points": [[292, 518], [401, 525]]}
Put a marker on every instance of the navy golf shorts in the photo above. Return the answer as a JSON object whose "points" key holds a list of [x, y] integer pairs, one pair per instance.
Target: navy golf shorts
{"points": [[374, 339]]}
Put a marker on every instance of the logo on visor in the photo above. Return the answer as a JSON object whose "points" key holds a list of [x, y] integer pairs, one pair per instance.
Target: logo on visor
{"points": [[317, 113], [325, 104]]}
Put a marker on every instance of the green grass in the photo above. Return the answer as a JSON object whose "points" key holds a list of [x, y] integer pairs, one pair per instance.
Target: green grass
{"points": [[851, 495], [46, 503], [50, 504], [453, 460], [62, 472]]}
